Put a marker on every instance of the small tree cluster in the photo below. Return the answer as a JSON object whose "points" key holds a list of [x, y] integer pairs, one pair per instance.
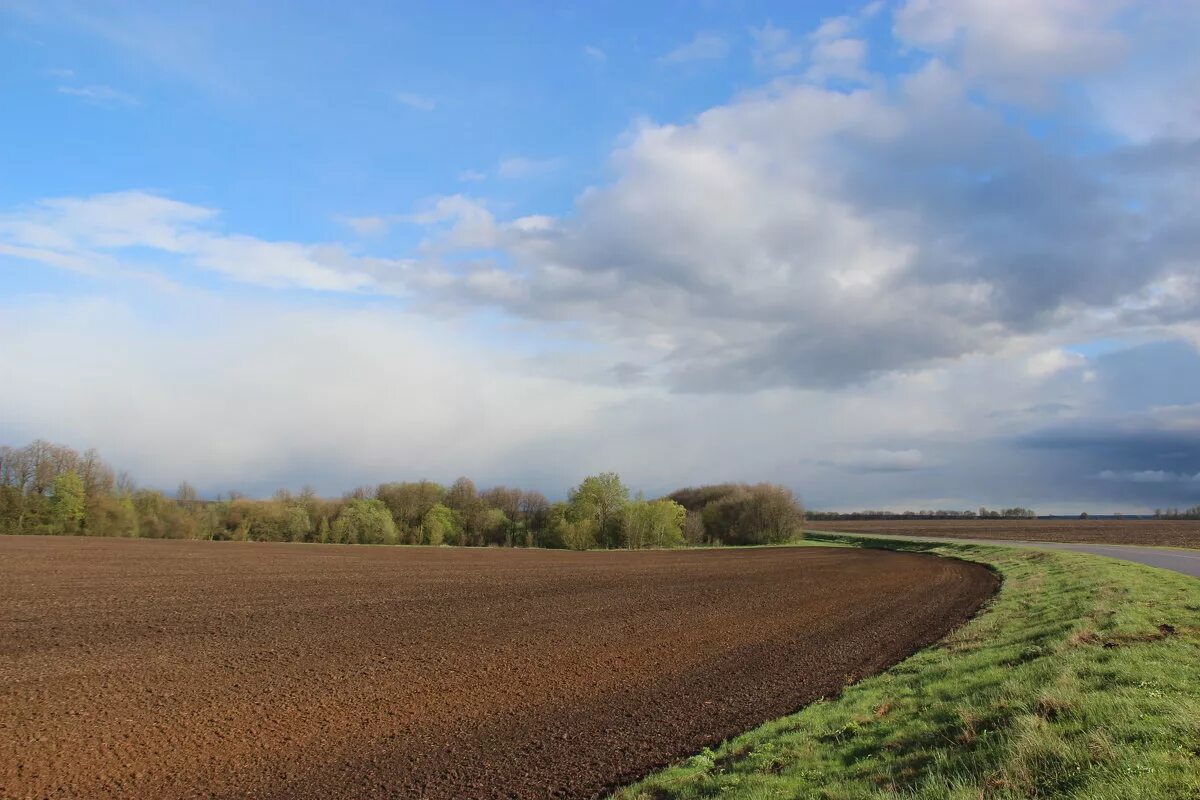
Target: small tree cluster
{"points": [[600, 513], [739, 513], [1008, 513], [1177, 513]]}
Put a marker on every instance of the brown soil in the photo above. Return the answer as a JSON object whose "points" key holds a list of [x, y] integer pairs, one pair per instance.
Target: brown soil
{"points": [[139, 669], [1155, 532]]}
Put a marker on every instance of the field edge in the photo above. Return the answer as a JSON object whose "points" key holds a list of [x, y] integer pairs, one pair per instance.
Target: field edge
{"points": [[1080, 678]]}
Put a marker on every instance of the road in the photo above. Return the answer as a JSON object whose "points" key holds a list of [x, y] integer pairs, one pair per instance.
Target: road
{"points": [[1176, 559]]}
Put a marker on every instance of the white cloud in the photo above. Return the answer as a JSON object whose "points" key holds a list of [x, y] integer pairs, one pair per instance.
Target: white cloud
{"points": [[834, 28], [723, 244], [416, 101], [1153, 96], [230, 395], [104, 96], [178, 39], [368, 225], [1018, 48], [714, 234], [1145, 108], [595, 53], [739, 251], [702, 47], [842, 58], [453, 221], [872, 9], [774, 48], [881, 460], [831, 51], [516, 167], [463, 222], [340, 396], [1051, 362], [1148, 476], [104, 234]]}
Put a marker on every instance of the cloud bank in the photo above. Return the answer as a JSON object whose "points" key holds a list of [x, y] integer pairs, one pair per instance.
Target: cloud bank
{"points": [[877, 287]]}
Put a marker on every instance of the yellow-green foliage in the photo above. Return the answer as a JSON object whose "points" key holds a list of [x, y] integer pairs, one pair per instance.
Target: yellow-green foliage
{"points": [[364, 522], [1081, 680], [438, 526], [68, 501], [653, 523]]}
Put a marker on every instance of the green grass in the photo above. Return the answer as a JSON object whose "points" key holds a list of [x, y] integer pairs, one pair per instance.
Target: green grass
{"points": [[1081, 679]]}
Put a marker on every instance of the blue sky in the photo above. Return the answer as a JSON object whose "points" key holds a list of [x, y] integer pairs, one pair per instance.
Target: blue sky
{"points": [[906, 253], [366, 108]]}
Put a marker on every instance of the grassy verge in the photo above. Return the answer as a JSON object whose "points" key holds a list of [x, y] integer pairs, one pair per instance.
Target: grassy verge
{"points": [[1081, 679]]}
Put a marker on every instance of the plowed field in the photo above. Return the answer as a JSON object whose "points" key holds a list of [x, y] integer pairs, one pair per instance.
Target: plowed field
{"points": [[1155, 532], [154, 669]]}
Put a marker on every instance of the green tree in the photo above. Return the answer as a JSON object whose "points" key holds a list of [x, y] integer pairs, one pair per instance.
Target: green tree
{"points": [[186, 495], [439, 526], [738, 513], [654, 523], [68, 502], [693, 528], [534, 513], [297, 525], [461, 494], [470, 511], [150, 507], [565, 529], [497, 527], [364, 522], [12, 509], [128, 515], [601, 499], [408, 504]]}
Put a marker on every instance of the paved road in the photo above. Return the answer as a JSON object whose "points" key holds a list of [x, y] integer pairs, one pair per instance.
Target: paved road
{"points": [[1177, 559]]}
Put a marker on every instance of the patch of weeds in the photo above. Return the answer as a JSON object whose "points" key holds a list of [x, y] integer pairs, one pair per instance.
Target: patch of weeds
{"points": [[706, 759]]}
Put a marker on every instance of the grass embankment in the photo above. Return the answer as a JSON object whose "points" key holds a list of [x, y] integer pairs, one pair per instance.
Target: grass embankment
{"points": [[1080, 679]]}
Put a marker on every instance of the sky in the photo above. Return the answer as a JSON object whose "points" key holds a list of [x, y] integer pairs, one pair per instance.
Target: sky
{"points": [[900, 254]]}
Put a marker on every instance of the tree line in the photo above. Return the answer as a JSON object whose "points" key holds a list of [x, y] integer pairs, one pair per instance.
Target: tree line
{"points": [[1177, 513], [52, 489], [983, 513]]}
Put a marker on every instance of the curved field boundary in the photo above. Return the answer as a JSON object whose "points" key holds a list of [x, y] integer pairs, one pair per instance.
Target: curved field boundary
{"points": [[1080, 680]]}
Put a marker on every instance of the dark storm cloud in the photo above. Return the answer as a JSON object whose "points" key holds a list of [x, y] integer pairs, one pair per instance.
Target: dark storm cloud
{"points": [[1151, 458], [1155, 374]]}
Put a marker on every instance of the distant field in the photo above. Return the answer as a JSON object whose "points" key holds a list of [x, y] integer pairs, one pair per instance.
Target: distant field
{"points": [[1162, 533], [173, 669]]}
